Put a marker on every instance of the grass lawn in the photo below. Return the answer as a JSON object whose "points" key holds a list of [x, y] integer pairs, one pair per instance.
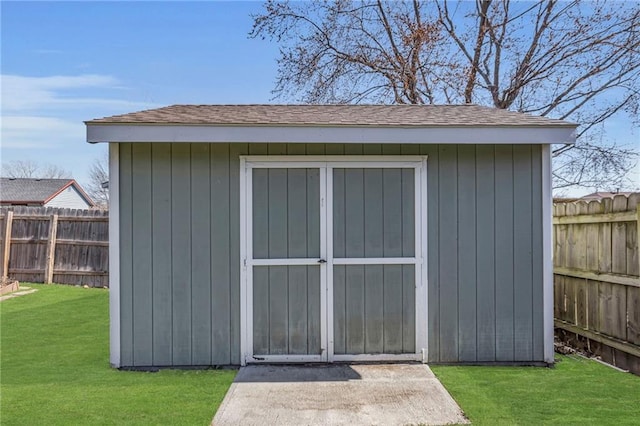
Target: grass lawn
{"points": [[54, 368], [577, 391]]}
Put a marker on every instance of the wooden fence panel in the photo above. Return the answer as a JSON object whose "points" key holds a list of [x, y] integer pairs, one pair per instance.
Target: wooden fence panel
{"points": [[582, 303], [592, 240], [593, 307], [612, 310], [596, 277], [633, 235], [7, 221], [633, 315], [558, 283], [57, 245]]}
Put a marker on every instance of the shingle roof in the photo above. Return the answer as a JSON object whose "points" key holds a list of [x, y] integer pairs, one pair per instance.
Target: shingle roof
{"points": [[30, 190], [599, 195], [333, 115]]}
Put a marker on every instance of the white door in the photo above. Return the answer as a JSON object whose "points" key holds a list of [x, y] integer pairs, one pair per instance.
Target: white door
{"points": [[333, 251]]}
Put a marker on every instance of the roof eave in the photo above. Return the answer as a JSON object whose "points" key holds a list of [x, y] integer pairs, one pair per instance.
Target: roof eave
{"points": [[550, 123], [123, 133]]}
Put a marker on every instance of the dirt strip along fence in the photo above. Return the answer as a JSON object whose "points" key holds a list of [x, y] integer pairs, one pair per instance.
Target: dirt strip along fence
{"points": [[51, 245], [596, 278]]}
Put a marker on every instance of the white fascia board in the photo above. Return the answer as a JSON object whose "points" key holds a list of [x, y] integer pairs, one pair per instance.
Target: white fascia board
{"points": [[307, 134]]}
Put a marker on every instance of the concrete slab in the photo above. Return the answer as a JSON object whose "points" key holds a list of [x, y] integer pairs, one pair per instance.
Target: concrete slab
{"points": [[338, 394]]}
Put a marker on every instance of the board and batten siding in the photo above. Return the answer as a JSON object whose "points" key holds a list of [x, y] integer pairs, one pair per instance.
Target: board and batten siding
{"points": [[180, 255]]}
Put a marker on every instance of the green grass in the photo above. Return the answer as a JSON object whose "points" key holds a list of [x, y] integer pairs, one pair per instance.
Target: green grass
{"points": [[577, 391], [54, 368]]}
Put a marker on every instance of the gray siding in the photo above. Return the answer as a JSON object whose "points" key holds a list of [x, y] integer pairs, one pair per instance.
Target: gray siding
{"points": [[180, 261], [180, 266]]}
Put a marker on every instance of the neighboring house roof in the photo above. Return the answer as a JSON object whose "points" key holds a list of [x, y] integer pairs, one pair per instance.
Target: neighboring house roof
{"points": [[29, 190], [600, 195], [334, 115]]}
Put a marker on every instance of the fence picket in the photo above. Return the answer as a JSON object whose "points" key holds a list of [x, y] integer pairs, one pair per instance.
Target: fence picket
{"points": [[6, 243], [51, 247], [55, 245], [597, 283]]}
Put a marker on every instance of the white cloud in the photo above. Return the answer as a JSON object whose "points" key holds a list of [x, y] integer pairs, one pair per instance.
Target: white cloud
{"points": [[29, 132], [41, 112], [42, 117], [21, 93]]}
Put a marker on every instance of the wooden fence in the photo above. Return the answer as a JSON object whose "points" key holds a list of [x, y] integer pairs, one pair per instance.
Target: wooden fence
{"points": [[596, 277], [55, 245]]}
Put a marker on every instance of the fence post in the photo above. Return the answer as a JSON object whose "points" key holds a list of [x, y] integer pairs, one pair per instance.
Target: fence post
{"points": [[6, 243], [51, 249], [638, 231]]}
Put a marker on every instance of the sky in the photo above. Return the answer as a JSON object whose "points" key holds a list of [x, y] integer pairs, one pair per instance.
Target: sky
{"points": [[66, 62]]}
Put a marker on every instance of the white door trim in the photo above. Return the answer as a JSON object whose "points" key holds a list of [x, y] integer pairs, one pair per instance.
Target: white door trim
{"points": [[326, 164], [246, 338], [421, 251], [268, 359], [247, 264], [356, 161], [281, 262], [330, 263], [375, 261], [324, 236]]}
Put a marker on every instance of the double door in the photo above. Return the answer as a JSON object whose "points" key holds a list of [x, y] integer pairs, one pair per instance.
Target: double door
{"points": [[332, 259]]}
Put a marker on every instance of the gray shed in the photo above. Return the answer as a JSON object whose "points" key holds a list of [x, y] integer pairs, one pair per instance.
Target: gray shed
{"points": [[320, 233]]}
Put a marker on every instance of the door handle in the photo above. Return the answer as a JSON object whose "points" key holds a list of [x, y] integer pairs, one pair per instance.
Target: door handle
{"points": [[322, 261]]}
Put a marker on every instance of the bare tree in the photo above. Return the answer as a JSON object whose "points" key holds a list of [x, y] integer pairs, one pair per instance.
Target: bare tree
{"points": [[576, 61], [98, 185], [33, 169]]}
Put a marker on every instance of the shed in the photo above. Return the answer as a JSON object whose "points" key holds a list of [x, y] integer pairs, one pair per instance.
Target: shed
{"points": [[321, 233], [63, 193]]}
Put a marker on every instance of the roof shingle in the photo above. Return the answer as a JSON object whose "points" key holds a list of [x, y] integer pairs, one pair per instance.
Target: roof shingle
{"points": [[31, 190], [333, 115]]}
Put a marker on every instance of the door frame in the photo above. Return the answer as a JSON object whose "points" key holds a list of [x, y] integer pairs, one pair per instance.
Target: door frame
{"points": [[326, 163]]}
